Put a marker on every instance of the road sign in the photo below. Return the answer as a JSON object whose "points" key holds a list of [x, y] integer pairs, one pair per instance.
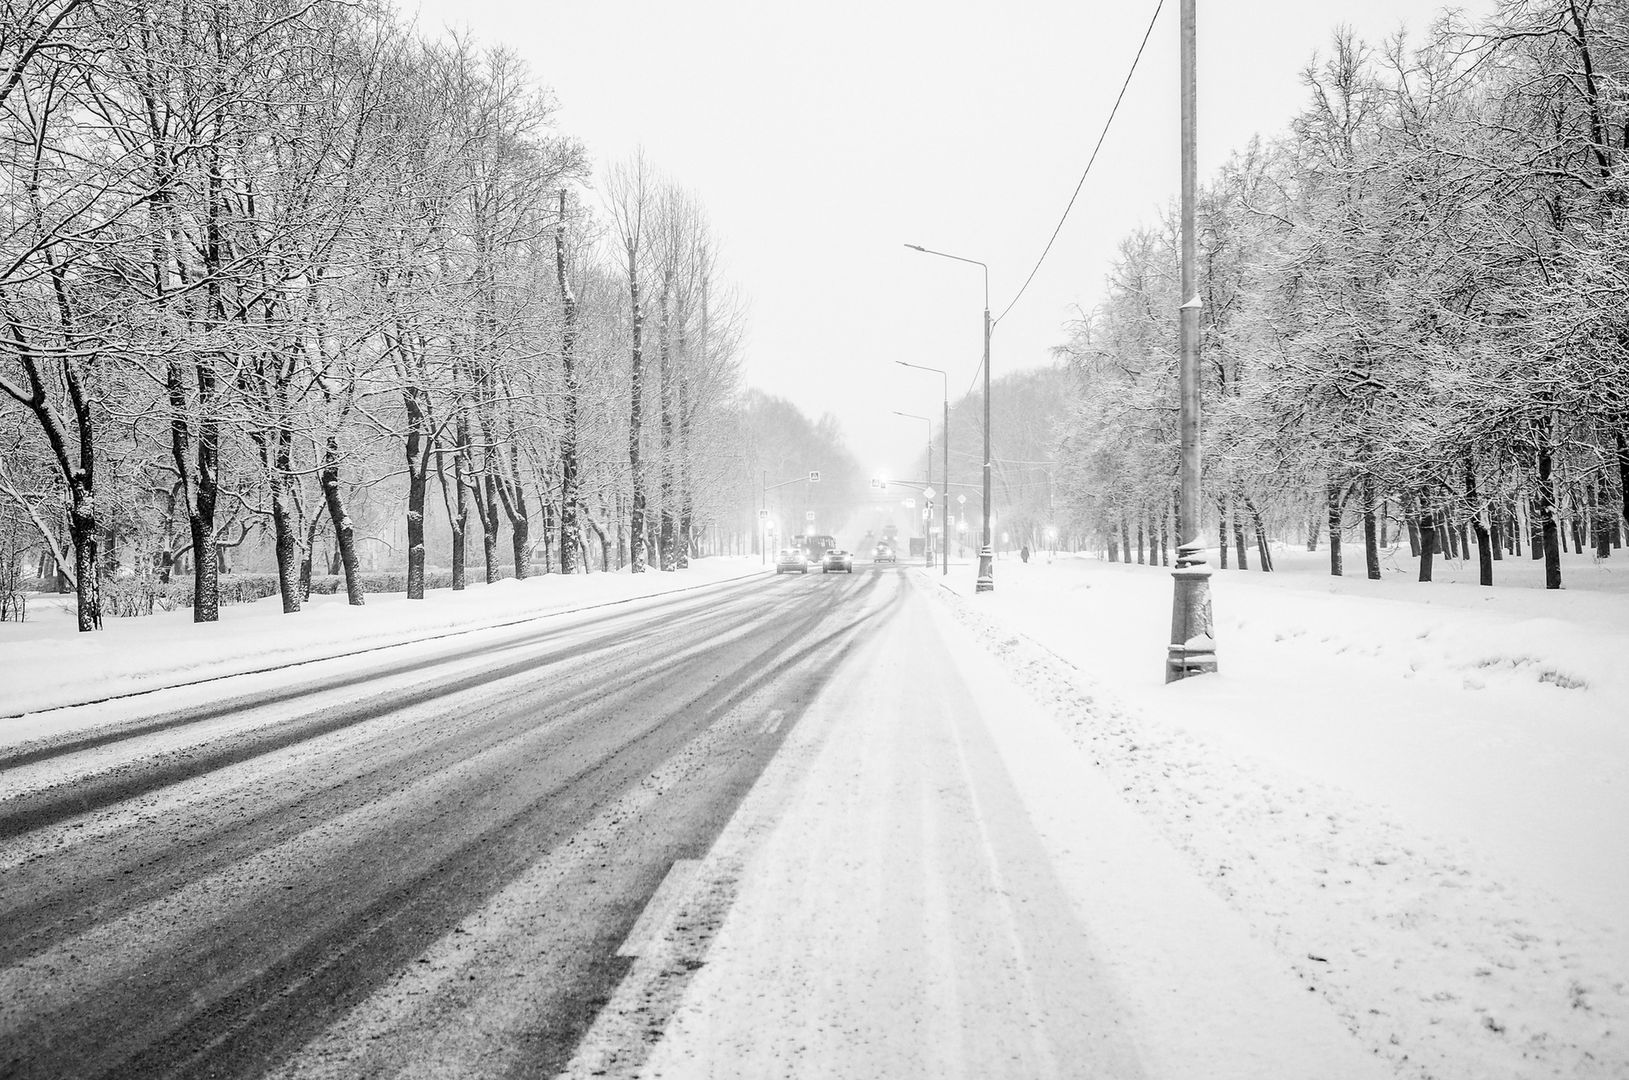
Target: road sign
{"points": [[808, 515], [910, 504], [962, 499], [877, 483], [814, 478], [763, 515]]}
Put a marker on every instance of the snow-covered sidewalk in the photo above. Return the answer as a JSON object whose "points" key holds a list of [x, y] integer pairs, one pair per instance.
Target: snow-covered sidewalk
{"points": [[1387, 840], [48, 664]]}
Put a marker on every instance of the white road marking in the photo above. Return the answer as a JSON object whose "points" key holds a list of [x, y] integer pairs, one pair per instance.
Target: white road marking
{"points": [[660, 909]]}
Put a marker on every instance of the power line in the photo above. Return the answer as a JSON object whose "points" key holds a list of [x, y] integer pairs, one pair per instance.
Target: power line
{"points": [[1101, 136]]}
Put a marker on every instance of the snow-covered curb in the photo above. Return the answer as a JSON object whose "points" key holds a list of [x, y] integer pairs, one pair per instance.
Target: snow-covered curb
{"points": [[48, 665]]}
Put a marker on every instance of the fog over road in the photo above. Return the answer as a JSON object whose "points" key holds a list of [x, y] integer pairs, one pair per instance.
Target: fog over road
{"points": [[424, 860]]}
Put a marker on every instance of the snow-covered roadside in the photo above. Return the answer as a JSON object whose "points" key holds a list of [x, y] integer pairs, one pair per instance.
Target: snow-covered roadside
{"points": [[49, 665], [1419, 795], [951, 891]]}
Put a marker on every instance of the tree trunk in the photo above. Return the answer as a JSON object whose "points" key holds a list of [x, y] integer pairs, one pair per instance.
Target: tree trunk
{"points": [[1238, 538], [415, 535], [604, 542], [1484, 539], [287, 548], [1221, 534], [418, 449], [1176, 519], [636, 514], [1568, 523], [1263, 550], [568, 407], [344, 532], [1546, 510], [668, 521], [514, 507], [1600, 521], [487, 505], [1428, 543], [1371, 541], [1535, 530], [87, 564], [457, 505], [1332, 497]]}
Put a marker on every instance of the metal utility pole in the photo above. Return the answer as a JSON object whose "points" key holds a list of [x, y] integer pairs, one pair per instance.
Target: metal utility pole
{"points": [[1193, 643], [944, 497], [944, 433], [928, 528], [986, 581], [986, 578]]}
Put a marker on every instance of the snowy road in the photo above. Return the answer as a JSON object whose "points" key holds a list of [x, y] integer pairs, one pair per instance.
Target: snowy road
{"points": [[422, 861]]}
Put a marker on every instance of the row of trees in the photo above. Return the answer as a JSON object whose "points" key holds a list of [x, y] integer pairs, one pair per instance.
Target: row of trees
{"points": [[1414, 308], [262, 261]]}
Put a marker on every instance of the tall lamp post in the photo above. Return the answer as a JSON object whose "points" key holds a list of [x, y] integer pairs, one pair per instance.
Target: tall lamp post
{"points": [[986, 581], [763, 507], [929, 530], [944, 437], [1193, 644]]}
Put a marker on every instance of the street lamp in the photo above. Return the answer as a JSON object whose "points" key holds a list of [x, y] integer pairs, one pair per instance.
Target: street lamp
{"points": [[1192, 650], [927, 544], [944, 435], [763, 506], [986, 581]]}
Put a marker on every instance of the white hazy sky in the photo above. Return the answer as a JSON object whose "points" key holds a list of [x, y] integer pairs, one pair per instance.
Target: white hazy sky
{"points": [[821, 138]]}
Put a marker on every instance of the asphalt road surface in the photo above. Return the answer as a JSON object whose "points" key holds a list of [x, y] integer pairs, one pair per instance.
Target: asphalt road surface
{"points": [[459, 835]]}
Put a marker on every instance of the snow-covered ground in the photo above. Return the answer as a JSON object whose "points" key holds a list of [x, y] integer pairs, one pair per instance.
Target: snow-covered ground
{"points": [[1418, 793], [49, 664]]}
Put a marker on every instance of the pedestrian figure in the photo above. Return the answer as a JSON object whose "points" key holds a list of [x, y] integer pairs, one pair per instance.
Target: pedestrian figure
{"points": [[1023, 553]]}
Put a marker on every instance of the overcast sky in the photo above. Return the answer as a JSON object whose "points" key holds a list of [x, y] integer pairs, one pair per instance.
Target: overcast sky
{"points": [[821, 138]]}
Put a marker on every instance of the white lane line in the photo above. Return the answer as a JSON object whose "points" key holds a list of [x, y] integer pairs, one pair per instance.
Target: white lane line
{"points": [[772, 721], [660, 909]]}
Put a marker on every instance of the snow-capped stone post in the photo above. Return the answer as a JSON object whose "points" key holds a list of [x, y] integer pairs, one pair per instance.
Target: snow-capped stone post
{"points": [[1193, 645]]}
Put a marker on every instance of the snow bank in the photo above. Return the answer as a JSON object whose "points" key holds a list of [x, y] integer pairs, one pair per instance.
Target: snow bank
{"points": [[49, 664]]}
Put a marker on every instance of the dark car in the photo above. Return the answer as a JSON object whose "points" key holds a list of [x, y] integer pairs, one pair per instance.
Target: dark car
{"points": [[791, 560], [837, 559], [884, 553]]}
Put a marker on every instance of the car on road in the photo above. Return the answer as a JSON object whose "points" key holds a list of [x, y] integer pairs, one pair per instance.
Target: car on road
{"points": [[791, 561], [837, 559], [884, 553]]}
